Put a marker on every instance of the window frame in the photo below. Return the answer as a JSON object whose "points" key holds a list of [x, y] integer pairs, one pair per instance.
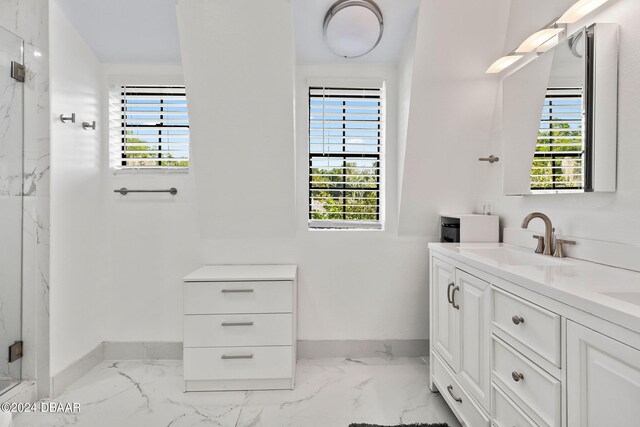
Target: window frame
{"points": [[378, 157], [117, 125], [552, 156]]}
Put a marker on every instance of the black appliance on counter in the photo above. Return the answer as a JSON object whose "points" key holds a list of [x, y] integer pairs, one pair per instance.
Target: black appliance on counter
{"points": [[450, 230]]}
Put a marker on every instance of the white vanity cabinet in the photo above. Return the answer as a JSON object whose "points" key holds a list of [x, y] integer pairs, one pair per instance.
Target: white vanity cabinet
{"points": [[240, 327], [603, 380], [505, 355], [460, 331], [446, 326], [474, 336]]}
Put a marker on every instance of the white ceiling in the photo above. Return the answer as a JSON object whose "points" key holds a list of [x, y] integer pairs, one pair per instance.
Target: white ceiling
{"points": [[146, 31], [308, 17], [140, 31]]}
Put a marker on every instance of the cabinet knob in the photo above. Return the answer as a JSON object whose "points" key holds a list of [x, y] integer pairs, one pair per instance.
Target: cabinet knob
{"points": [[517, 320], [517, 376]]}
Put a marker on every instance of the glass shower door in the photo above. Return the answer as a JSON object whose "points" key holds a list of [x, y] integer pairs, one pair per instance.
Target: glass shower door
{"points": [[11, 193]]}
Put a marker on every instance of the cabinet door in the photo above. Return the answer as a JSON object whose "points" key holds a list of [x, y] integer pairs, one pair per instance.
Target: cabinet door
{"points": [[603, 380], [474, 300], [445, 318]]}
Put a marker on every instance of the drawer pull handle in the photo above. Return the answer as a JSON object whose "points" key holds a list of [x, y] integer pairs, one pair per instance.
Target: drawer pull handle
{"points": [[453, 298], [236, 356], [450, 390], [451, 285], [517, 320], [237, 323], [517, 376], [236, 291]]}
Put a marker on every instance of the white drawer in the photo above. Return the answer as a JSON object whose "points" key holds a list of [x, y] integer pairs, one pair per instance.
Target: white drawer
{"points": [[531, 325], [534, 390], [237, 363], [456, 397], [506, 413], [237, 330], [238, 297]]}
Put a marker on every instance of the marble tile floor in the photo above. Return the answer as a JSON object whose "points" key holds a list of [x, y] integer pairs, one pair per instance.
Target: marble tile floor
{"points": [[328, 393]]}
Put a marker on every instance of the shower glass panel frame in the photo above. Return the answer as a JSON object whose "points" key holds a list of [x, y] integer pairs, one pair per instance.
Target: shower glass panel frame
{"points": [[11, 206]]}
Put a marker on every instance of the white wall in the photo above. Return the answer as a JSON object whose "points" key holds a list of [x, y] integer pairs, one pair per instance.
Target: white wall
{"points": [[117, 261], [353, 285], [154, 238], [405, 78], [346, 278], [241, 98], [79, 239], [450, 110], [604, 216]]}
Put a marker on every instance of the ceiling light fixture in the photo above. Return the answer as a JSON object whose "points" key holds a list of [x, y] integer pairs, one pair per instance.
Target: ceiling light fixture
{"points": [[353, 28], [502, 63], [580, 10], [549, 44], [549, 36], [536, 40]]}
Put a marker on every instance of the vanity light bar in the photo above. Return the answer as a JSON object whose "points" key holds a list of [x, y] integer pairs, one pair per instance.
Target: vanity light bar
{"points": [[538, 39], [552, 42], [548, 37], [502, 63], [579, 10]]}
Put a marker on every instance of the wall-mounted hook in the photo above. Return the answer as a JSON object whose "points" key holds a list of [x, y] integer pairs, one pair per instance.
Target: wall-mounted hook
{"points": [[490, 159], [87, 125], [71, 118]]}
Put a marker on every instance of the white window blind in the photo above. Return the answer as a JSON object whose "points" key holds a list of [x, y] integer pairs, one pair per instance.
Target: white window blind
{"points": [[345, 157], [150, 127], [558, 162]]}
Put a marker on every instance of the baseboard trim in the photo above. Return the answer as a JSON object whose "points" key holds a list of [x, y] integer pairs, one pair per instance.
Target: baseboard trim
{"points": [[113, 351], [315, 349], [138, 350], [76, 370], [307, 349]]}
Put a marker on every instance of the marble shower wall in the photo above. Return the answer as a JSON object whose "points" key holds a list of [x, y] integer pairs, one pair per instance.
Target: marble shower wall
{"points": [[28, 19]]}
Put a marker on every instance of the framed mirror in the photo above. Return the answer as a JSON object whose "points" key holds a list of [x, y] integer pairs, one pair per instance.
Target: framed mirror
{"points": [[560, 117]]}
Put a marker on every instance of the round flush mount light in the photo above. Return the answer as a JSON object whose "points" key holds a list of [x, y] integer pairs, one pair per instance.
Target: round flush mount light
{"points": [[353, 28]]}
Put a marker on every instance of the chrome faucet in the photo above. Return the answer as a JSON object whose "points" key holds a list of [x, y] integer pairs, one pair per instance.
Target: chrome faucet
{"points": [[548, 231]]}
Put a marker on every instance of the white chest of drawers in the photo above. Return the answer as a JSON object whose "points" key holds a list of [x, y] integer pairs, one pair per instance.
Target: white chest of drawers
{"points": [[240, 327]]}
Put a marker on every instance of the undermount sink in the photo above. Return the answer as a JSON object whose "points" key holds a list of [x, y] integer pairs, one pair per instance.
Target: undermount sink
{"points": [[506, 256], [632, 297]]}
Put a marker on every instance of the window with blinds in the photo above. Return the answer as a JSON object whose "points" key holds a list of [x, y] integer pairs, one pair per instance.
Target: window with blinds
{"points": [[151, 127], [559, 160], [345, 157]]}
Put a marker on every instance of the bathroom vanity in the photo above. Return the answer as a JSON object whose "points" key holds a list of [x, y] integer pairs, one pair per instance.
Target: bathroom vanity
{"points": [[240, 327], [523, 339]]}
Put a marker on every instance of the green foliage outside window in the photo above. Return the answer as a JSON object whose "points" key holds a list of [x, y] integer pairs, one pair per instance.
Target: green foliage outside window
{"points": [[141, 152], [358, 201], [569, 165]]}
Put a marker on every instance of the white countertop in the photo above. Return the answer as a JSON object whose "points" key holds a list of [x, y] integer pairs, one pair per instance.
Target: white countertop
{"points": [[233, 273], [580, 284]]}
